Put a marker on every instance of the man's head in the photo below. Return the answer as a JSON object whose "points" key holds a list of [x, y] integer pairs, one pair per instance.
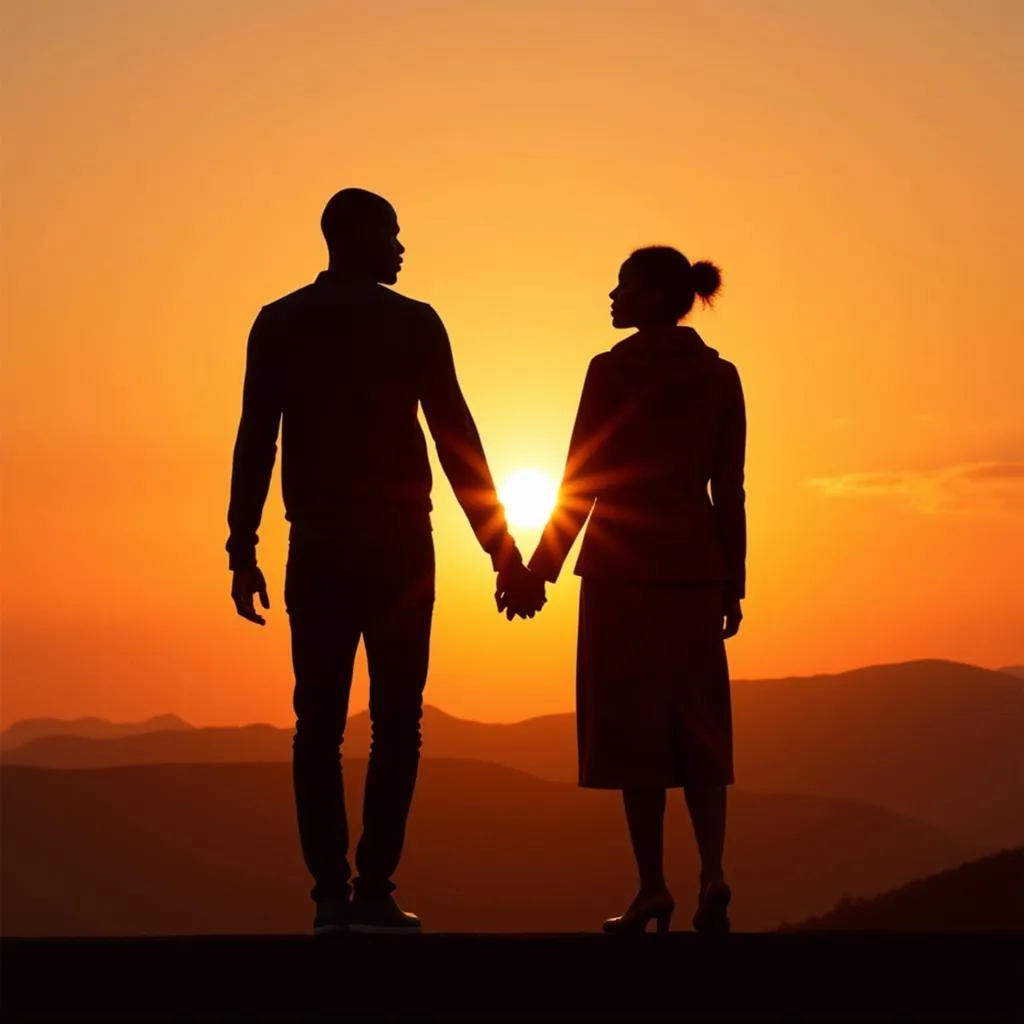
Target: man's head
{"points": [[361, 231]]}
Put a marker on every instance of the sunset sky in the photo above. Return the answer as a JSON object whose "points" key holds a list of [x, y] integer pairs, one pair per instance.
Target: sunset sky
{"points": [[853, 166]]}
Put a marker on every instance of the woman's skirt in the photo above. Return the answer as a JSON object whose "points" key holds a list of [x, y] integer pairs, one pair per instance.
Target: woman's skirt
{"points": [[652, 686]]}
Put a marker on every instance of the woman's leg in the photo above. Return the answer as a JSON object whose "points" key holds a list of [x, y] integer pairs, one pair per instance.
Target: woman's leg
{"points": [[707, 812], [645, 815]]}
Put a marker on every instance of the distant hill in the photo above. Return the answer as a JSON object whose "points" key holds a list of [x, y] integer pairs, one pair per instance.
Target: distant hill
{"points": [[234, 745], [31, 729], [935, 741], [213, 849], [1014, 670], [544, 746], [981, 895]]}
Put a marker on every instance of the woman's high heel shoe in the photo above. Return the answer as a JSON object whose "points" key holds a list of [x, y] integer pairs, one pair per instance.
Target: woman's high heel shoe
{"points": [[635, 920], [712, 906]]}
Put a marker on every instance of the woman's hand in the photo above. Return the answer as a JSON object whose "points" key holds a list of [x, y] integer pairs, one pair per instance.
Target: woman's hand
{"points": [[733, 618]]}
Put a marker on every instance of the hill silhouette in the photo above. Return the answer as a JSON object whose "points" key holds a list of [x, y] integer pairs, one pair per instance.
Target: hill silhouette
{"points": [[31, 729], [544, 746], [985, 895], [935, 741], [1014, 670], [213, 745], [189, 849]]}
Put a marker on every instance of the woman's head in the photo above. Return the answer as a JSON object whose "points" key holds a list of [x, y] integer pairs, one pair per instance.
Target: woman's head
{"points": [[658, 286]]}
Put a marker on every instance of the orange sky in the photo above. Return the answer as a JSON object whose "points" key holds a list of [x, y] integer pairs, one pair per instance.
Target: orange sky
{"points": [[858, 180]]}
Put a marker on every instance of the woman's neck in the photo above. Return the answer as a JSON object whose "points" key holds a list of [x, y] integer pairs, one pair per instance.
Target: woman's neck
{"points": [[659, 329]]}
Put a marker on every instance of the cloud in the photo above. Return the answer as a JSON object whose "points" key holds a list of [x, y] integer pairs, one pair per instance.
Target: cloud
{"points": [[986, 487], [995, 471]]}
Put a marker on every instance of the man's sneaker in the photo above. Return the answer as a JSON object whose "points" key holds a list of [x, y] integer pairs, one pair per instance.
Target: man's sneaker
{"points": [[332, 917], [381, 915]]}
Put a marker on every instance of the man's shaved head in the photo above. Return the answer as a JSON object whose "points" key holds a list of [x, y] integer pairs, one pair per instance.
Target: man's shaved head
{"points": [[361, 231], [351, 211]]}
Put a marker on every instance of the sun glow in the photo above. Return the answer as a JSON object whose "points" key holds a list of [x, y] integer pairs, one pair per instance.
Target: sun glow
{"points": [[529, 497]]}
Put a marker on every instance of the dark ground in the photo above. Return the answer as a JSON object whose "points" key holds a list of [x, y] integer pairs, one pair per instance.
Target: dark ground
{"points": [[792, 977]]}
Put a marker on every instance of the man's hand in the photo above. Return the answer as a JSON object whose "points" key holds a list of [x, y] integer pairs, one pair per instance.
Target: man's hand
{"points": [[733, 618], [244, 584], [519, 592]]}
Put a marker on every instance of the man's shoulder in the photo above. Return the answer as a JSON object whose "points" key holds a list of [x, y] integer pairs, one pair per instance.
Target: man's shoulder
{"points": [[386, 310], [413, 311], [400, 301], [301, 298]]}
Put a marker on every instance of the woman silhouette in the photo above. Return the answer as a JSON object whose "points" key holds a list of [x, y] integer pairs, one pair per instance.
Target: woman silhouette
{"points": [[661, 421]]}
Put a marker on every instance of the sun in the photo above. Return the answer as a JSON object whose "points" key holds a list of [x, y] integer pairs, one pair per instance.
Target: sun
{"points": [[529, 497]]}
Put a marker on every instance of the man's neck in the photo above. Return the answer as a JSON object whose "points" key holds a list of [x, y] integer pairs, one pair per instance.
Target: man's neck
{"points": [[351, 273]]}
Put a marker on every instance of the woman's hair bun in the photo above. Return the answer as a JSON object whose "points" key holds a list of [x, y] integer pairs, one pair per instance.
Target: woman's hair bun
{"points": [[707, 280], [680, 282]]}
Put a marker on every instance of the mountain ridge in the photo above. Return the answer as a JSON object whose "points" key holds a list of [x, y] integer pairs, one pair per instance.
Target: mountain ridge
{"points": [[922, 739], [64, 724], [983, 895], [27, 730]]}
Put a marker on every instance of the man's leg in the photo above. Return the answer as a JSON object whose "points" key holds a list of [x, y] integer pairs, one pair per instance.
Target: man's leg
{"points": [[325, 633], [397, 650]]}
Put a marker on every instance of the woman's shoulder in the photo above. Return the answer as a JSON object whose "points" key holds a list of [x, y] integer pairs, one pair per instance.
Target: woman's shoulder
{"points": [[600, 366], [619, 354], [728, 369]]}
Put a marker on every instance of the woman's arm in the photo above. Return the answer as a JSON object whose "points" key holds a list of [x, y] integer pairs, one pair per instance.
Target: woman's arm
{"points": [[581, 479], [727, 488]]}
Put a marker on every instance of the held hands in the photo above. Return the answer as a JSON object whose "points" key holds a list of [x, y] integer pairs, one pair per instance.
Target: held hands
{"points": [[245, 583], [519, 592]]}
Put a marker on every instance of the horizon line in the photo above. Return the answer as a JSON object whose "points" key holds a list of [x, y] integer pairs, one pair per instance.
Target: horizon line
{"points": [[1002, 670]]}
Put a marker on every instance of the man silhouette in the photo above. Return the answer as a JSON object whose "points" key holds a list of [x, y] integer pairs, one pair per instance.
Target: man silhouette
{"points": [[343, 365]]}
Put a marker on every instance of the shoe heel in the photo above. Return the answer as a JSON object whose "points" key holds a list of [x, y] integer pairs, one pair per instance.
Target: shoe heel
{"points": [[663, 921]]}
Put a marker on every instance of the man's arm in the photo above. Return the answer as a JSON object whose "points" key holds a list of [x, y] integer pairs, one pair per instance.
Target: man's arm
{"points": [[580, 481], [460, 449], [255, 445], [728, 494]]}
